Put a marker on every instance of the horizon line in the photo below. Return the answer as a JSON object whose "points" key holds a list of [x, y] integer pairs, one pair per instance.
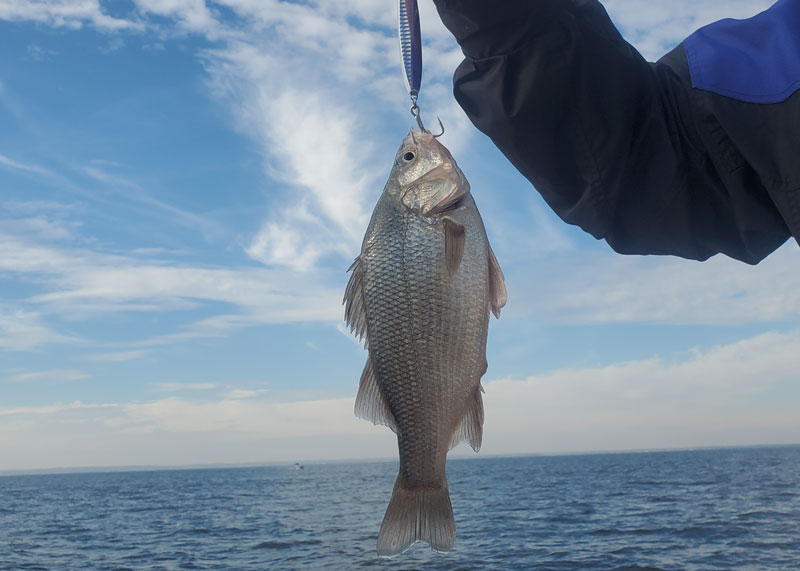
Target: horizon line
{"points": [[62, 470]]}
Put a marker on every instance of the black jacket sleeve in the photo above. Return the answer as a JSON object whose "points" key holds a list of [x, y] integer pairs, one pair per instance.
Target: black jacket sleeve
{"points": [[608, 139]]}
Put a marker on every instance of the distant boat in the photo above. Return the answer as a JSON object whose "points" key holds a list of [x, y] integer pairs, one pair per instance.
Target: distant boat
{"points": [[297, 466]]}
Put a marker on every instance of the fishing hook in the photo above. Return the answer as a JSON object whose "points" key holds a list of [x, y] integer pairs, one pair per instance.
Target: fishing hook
{"points": [[441, 127], [415, 112]]}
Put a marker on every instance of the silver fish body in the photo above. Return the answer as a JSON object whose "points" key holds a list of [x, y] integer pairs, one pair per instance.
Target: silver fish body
{"points": [[420, 292]]}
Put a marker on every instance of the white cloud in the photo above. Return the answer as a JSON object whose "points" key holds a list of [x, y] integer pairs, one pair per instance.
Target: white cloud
{"points": [[238, 394], [265, 296], [192, 15], [727, 395], [22, 330], [310, 92], [181, 387], [64, 13], [51, 375], [46, 221], [313, 143], [603, 287], [86, 281]]}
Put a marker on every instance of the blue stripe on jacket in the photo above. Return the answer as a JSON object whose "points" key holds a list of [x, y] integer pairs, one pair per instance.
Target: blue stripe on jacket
{"points": [[756, 60]]}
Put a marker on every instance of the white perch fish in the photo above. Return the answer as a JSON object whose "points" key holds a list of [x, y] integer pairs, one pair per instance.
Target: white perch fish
{"points": [[420, 293]]}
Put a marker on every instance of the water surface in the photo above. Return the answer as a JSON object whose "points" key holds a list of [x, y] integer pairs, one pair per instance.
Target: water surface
{"points": [[710, 509]]}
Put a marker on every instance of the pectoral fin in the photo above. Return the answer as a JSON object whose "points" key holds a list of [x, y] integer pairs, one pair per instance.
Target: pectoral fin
{"points": [[454, 236], [355, 312], [497, 285], [471, 426], [370, 402]]}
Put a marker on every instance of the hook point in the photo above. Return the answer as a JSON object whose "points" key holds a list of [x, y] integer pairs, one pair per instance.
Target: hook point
{"points": [[440, 126]]}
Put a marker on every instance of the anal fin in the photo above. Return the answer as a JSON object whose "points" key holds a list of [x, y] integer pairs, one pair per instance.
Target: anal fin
{"points": [[470, 428]]}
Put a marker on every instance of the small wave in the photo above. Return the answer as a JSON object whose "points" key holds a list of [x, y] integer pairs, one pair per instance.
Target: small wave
{"points": [[663, 500], [762, 514], [770, 544], [274, 544], [564, 519], [626, 549], [605, 531], [697, 531], [648, 483], [645, 531]]}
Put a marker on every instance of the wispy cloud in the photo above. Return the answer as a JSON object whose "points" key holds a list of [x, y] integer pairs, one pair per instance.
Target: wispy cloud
{"points": [[191, 15], [64, 13], [602, 287], [51, 375], [332, 180], [9, 163], [46, 221], [54, 409], [38, 53], [85, 281], [96, 183], [117, 357], [22, 330], [313, 142], [129, 191], [315, 131]]}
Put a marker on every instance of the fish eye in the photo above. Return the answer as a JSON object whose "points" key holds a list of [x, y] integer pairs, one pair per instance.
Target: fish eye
{"points": [[408, 157]]}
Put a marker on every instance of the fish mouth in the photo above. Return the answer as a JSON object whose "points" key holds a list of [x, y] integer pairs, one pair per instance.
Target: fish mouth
{"points": [[448, 205]]}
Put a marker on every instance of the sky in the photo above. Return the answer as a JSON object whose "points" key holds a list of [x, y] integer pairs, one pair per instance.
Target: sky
{"points": [[183, 184]]}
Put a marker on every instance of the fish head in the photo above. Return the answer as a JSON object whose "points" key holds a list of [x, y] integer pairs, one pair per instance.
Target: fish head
{"points": [[427, 178]]}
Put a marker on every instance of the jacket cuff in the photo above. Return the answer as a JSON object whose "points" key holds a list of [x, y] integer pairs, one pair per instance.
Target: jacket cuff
{"points": [[487, 28]]}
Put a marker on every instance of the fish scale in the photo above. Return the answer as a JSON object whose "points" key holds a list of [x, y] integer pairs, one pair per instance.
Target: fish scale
{"points": [[420, 294]]}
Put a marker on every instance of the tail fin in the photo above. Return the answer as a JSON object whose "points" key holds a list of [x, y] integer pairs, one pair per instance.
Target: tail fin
{"points": [[417, 515]]}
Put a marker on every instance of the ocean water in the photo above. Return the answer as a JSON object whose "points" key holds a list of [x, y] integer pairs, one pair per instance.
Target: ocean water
{"points": [[710, 509]]}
